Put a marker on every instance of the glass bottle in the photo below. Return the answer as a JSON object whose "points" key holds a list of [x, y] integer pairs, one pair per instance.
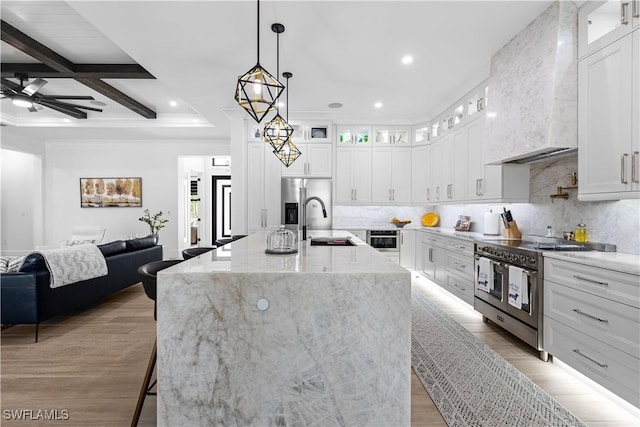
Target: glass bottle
{"points": [[581, 233]]}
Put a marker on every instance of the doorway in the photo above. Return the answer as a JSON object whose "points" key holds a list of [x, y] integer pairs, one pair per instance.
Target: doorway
{"points": [[221, 212]]}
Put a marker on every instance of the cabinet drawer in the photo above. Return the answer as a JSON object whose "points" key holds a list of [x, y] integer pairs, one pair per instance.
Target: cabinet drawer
{"points": [[460, 246], [430, 239], [462, 288], [610, 284], [461, 265], [608, 321], [611, 368]]}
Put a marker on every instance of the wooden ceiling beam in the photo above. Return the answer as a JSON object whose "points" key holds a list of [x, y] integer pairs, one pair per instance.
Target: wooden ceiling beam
{"points": [[120, 97], [85, 71], [57, 62]]}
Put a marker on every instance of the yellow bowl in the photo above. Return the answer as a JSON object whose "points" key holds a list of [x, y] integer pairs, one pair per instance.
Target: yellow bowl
{"points": [[430, 219]]}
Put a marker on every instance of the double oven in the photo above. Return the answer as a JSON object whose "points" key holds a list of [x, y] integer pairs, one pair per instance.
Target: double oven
{"points": [[513, 303]]}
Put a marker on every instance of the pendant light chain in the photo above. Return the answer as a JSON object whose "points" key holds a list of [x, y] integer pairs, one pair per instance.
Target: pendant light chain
{"points": [[258, 32]]}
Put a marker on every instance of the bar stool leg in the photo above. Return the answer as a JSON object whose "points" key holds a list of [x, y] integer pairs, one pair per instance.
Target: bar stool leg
{"points": [[145, 384]]}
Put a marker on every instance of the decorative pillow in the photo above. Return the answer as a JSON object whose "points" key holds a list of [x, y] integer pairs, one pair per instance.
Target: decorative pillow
{"points": [[4, 263], [10, 264], [140, 243], [113, 248]]}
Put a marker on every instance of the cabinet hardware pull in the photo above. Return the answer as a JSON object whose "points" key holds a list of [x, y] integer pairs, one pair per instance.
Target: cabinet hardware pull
{"points": [[623, 13], [477, 187], [635, 11], [590, 280], [389, 197], [462, 289], [623, 172], [356, 193], [634, 168], [577, 310], [428, 193], [438, 193], [602, 365], [481, 187], [393, 194], [430, 254]]}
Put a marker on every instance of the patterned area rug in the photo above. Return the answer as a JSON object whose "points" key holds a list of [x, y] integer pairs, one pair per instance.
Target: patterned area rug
{"points": [[471, 384]]}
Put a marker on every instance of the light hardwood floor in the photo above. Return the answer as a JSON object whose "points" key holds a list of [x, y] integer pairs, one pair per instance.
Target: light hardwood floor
{"points": [[91, 364]]}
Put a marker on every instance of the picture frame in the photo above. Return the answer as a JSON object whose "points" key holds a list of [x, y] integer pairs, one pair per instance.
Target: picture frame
{"points": [[111, 192], [464, 223]]}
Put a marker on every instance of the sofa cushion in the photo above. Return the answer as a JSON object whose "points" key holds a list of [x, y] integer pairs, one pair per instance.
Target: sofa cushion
{"points": [[140, 243], [33, 263], [113, 248]]}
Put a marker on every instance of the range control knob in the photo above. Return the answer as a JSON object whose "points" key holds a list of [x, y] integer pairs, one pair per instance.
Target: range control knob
{"points": [[531, 260], [522, 258]]}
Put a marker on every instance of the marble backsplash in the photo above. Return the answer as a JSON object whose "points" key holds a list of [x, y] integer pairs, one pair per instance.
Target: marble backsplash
{"points": [[615, 222]]}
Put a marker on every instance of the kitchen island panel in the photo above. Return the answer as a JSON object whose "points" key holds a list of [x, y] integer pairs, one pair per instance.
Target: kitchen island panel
{"points": [[331, 349]]}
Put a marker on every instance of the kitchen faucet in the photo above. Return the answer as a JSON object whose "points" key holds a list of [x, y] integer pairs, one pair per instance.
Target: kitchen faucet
{"points": [[304, 214]]}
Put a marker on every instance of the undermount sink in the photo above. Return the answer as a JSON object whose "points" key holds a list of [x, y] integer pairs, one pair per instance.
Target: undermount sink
{"points": [[332, 241]]}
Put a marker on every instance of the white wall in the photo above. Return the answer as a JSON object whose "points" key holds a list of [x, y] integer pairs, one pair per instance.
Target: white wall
{"points": [[21, 197], [156, 162]]}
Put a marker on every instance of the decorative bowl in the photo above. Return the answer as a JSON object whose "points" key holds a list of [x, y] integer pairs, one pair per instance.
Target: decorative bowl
{"points": [[401, 224]]}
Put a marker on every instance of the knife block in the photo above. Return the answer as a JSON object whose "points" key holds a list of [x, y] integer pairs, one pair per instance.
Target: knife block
{"points": [[513, 231]]}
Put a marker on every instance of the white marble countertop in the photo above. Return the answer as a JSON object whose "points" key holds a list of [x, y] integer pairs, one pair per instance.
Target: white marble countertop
{"points": [[626, 263], [248, 255]]}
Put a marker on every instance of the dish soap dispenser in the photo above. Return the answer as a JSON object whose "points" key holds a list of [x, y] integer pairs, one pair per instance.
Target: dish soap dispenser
{"points": [[581, 234]]}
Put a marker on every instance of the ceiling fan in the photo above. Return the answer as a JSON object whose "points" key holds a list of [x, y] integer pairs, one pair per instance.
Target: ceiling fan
{"points": [[28, 97]]}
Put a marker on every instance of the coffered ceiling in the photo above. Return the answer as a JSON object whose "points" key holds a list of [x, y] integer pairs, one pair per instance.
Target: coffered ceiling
{"points": [[338, 51]]}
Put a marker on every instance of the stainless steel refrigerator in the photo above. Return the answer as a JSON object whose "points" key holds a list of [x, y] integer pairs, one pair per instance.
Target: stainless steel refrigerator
{"points": [[295, 191]]}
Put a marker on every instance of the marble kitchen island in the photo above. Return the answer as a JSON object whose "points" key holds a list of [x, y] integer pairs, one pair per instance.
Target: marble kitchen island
{"points": [[319, 338]]}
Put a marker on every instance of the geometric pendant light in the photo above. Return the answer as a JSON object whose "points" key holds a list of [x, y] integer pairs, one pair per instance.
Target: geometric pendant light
{"points": [[277, 130], [288, 152], [257, 91]]}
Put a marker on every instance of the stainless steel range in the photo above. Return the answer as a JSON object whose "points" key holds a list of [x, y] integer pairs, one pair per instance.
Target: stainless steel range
{"points": [[509, 283]]}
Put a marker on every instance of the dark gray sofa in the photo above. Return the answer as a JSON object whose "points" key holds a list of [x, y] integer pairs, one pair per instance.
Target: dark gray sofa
{"points": [[27, 298]]}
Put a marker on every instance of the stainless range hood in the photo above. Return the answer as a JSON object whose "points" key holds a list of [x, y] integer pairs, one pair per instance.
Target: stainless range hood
{"points": [[532, 109]]}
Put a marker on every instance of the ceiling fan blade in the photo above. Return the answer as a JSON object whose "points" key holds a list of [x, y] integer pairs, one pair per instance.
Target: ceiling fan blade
{"points": [[10, 86], [70, 111], [69, 105], [89, 98], [34, 87]]}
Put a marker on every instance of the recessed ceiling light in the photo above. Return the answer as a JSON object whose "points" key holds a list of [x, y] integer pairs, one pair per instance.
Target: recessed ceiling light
{"points": [[173, 103], [98, 103], [407, 59], [378, 104], [335, 105], [66, 120]]}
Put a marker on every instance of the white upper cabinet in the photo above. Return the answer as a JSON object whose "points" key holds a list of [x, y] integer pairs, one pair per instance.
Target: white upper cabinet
{"points": [[392, 135], [421, 134], [353, 175], [311, 131], [353, 135], [263, 178], [391, 178], [609, 120], [314, 161], [420, 174], [603, 22]]}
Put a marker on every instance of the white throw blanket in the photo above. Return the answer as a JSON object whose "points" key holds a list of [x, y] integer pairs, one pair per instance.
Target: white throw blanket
{"points": [[518, 287], [484, 275], [73, 264]]}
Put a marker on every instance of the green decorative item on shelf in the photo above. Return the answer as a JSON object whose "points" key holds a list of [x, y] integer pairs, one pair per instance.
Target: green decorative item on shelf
{"points": [[155, 221]]}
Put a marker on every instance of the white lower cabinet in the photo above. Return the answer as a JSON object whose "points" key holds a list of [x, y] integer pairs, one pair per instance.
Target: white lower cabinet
{"points": [[592, 323], [448, 262], [407, 249]]}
